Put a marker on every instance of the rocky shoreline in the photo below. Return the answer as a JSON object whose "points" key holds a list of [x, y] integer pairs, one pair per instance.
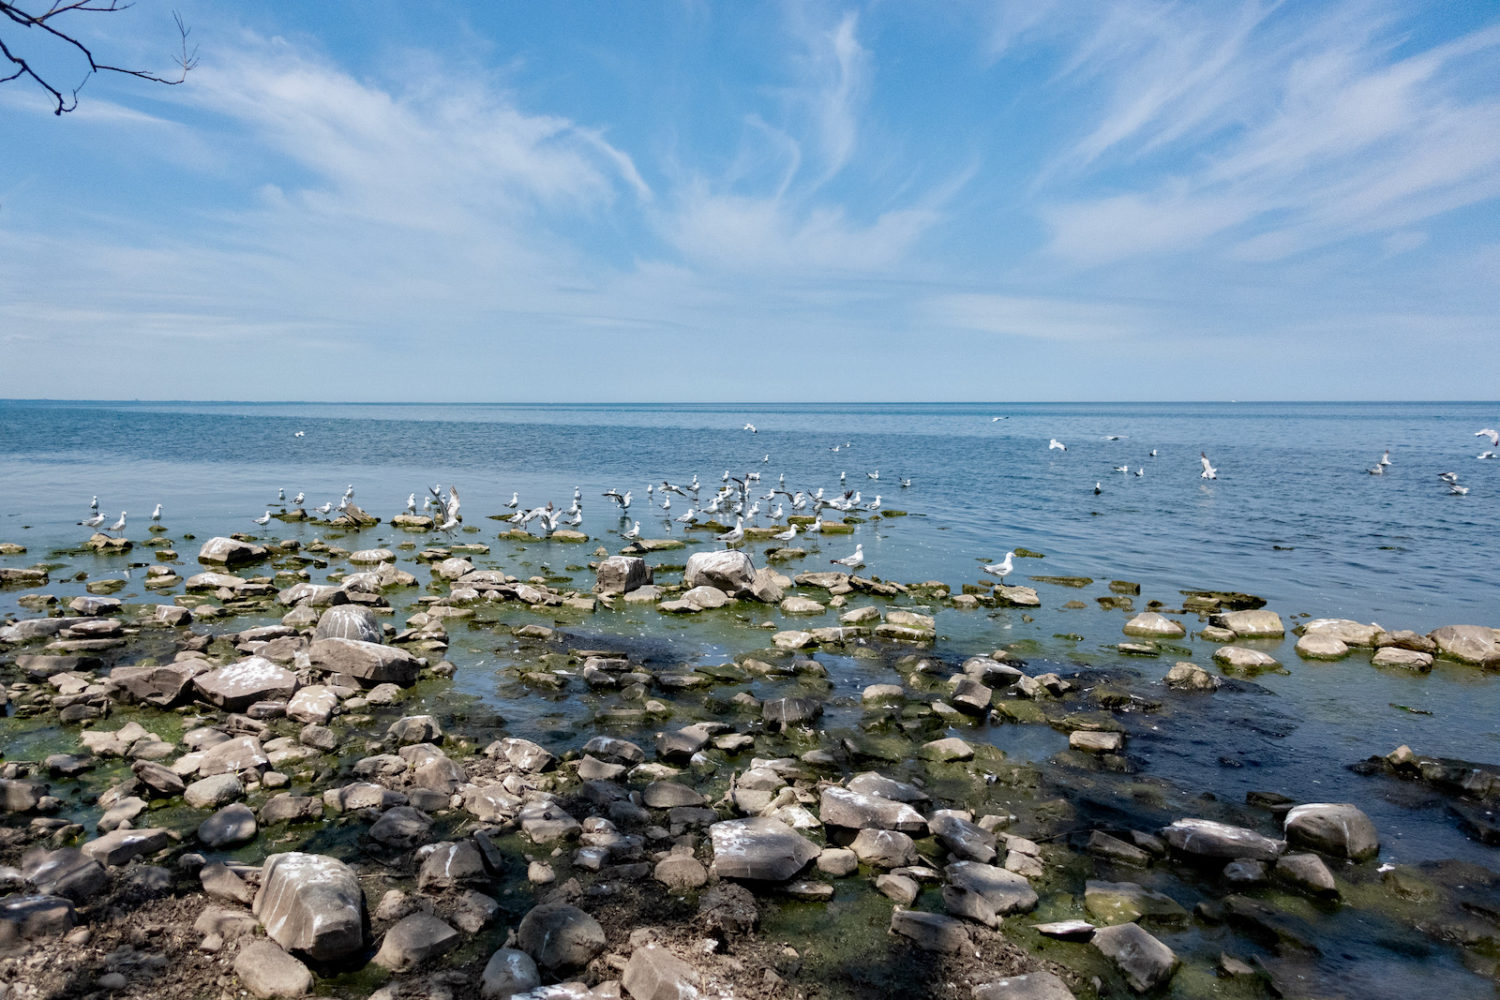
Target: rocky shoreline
{"points": [[250, 789]]}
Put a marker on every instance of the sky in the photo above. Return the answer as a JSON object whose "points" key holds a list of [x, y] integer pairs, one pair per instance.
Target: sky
{"points": [[680, 200]]}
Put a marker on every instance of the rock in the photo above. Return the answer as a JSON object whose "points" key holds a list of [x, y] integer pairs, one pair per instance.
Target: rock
{"points": [[214, 791], [451, 865], [413, 940], [161, 781], [900, 888], [1321, 646], [349, 621], [970, 696], [1472, 644], [781, 713], [1144, 961], [508, 972], [730, 570], [930, 931], [243, 753], [1257, 624], [838, 861], [314, 704], [230, 552], [1122, 902], [1406, 639], [1350, 633], [1404, 659], [759, 848], [1239, 660], [266, 970], [985, 893], [1032, 986], [964, 840], [560, 937], [546, 822], [524, 755], [402, 827], [680, 872], [368, 662], [669, 795], [1154, 626], [234, 824], [120, 847], [165, 686], [30, 918], [237, 686], [288, 808], [412, 729], [796, 605], [313, 904], [1204, 838], [1185, 676], [654, 973], [1306, 872], [950, 748], [1102, 845], [1090, 741], [621, 575], [855, 811], [1337, 828], [884, 848], [65, 872]]}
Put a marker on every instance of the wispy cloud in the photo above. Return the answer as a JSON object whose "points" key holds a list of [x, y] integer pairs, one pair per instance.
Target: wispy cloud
{"points": [[1065, 320]]}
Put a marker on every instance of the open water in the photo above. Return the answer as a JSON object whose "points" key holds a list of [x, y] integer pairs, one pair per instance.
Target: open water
{"points": [[1293, 517]]}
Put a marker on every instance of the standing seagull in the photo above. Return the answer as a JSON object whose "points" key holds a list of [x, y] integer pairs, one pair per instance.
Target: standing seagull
{"points": [[634, 531], [297, 500], [94, 504], [118, 525], [515, 499], [411, 504], [93, 522], [854, 561], [1209, 472], [1002, 569], [787, 535], [734, 535], [263, 520], [156, 514]]}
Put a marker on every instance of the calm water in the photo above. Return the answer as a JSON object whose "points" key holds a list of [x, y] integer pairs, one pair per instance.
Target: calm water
{"points": [[1293, 517]]}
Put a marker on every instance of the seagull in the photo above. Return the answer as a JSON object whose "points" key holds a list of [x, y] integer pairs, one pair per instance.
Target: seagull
{"points": [[1098, 488], [325, 508], [449, 524], [281, 494], [1490, 433], [94, 504], [1484, 455], [453, 503], [299, 434], [734, 535], [263, 520], [816, 528], [906, 483], [1457, 490], [623, 501], [666, 503], [689, 517], [93, 522], [787, 535], [751, 429], [873, 475], [1140, 472], [993, 419], [1002, 569], [1448, 477], [1055, 443], [854, 561], [1122, 468], [1209, 472], [1385, 459], [1153, 452], [297, 500], [633, 532], [156, 514], [118, 525], [1115, 437], [515, 500], [1378, 470]]}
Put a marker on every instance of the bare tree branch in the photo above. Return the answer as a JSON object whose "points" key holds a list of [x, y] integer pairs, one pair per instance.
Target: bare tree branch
{"points": [[42, 21]]}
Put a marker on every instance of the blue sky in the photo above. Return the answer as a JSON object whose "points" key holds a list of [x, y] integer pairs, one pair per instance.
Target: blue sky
{"points": [[736, 201]]}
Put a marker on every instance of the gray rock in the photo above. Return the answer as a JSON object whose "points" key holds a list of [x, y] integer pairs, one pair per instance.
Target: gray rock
{"points": [[287, 808], [508, 972], [560, 937], [1204, 838], [160, 780], [415, 729], [654, 973], [1144, 961], [1123, 902], [965, 840], [730, 570], [234, 824], [349, 621], [233, 756], [65, 872], [1032, 986], [314, 704], [229, 552], [1154, 626], [214, 791], [985, 893], [237, 686], [524, 755], [451, 865], [884, 848], [1321, 646], [547, 822], [31, 918], [1239, 660], [930, 931], [312, 904], [1186, 676], [781, 713], [856, 811], [413, 940], [164, 686], [401, 827], [368, 662], [1308, 873], [759, 848], [1473, 644], [120, 847], [266, 970], [1337, 828], [1404, 659], [1350, 633], [621, 575], [1257, 624], [901, 888], [680, 872]]}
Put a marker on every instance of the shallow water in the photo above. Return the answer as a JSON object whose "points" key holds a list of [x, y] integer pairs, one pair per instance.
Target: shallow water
{"points": [[1293, 518]]}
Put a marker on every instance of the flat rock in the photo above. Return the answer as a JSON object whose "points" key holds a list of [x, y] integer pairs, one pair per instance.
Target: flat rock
{"points": [[1204, 838], [1473, 644], [930, 931], [234, 824], [759, 848], [349, 621], [1154, 626], [1350, 633], [1402, 659], [266, 970], [1257, 624], [1144, 961], [1321, 646], [855, 811], [120, 847], [1032, 986], [237, 686], [34, 917], [985, 893], [1239, 660], [654, 973], [369, 662]]}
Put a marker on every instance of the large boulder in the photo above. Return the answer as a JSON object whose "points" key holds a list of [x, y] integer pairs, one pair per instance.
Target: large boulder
{"points": [[621, 575], [27, 918], [164, 686], [1257, 624], [230, 552], [237, 686], [413, 940], [369, 662], [759, 848], [730, 570], [1347, 631], [1211, 840], [1473, 644], [349, 621], [858, 811], [985, 893], [1154, 626], [313, 904], [560, 937], [1337, 828], [1144, 961]]}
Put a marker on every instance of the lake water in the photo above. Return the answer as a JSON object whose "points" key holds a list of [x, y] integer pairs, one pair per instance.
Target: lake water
{"points": [[1293, 517]]}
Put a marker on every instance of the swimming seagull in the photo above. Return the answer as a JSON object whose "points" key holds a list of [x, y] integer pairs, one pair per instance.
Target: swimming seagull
{"points": [[94, 504], [1209, 472], [1490, 433], [1055, 443], [873, 475], [1385, 459], [1457, 490], [1122, 468], [94, 521], [1376, 470], [1098, 488], [854, 561], [1001, 569], [300, 434]]}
